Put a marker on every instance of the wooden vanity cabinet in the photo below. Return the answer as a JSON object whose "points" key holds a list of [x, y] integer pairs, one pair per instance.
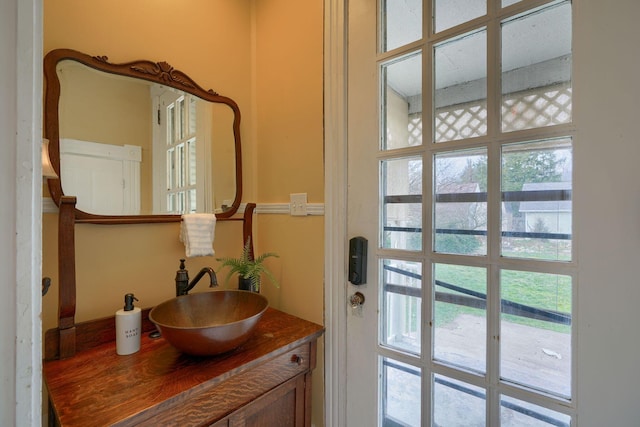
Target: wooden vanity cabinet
{"points": [[283, 406], [265, 382]]}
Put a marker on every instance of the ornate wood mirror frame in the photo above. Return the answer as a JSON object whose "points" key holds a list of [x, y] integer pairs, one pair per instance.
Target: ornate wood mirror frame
{"points": [[69, 337], [156, 72]]}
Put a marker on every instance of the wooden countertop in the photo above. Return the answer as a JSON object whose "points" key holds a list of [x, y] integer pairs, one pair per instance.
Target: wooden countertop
{"points": [[98, 387]]}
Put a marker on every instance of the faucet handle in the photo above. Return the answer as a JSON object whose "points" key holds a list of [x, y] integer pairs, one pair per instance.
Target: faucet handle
{"points": [[182, 280], [182, 274]]}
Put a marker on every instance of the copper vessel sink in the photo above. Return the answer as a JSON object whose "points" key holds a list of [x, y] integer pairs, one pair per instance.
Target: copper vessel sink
{"points": [[209, 323]]}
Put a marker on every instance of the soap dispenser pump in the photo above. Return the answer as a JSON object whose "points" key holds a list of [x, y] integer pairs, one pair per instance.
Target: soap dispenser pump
{"points": [[128, 327]]}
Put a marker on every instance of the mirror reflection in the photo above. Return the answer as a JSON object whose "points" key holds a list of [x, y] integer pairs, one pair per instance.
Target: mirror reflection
{"points": [[138, 142], [131, 147]]}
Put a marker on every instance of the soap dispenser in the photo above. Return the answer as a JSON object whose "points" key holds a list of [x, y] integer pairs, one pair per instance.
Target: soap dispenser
{"points": [[128, 327]]}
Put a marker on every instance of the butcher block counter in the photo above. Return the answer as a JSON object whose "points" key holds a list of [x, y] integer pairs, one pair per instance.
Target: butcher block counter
{"points": [[264, 382]]}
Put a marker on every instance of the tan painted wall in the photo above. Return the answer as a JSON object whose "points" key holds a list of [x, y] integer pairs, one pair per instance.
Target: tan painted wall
{"points": [[108, 111], [267, 56], [289, 97]]}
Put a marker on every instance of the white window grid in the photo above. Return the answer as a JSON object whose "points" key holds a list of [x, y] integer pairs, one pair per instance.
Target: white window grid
{"points": [[528, 109]]}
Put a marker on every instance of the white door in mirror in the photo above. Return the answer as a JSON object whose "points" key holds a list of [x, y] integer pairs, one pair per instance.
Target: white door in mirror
{"points": [[105, 178]]}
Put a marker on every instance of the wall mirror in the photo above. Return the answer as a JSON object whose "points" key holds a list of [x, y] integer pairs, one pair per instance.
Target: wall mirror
{"points": [[139, 141]]}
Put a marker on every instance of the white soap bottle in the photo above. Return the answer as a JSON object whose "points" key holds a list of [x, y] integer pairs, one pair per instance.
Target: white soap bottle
{"points": [[128, 327]]}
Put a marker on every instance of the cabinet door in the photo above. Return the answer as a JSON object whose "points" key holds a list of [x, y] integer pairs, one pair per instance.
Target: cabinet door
{"points": [[221, 423], [283, 406]]}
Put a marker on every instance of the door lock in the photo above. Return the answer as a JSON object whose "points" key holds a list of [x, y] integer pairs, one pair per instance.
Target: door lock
{"points": [[356, 300]]}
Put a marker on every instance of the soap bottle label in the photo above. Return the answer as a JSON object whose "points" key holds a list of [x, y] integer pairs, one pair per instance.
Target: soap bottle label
{"points": [[128, 326]]}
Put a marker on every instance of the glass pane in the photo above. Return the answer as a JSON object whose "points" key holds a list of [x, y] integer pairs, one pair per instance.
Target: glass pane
{"points": [[461, 88], [402, 304], [191, 148], [192, 115], [192, 201], [180, 202], [457, 404], [518, 413], [536, 200], [402, 105], [506, 3], [182, 117], [171, 169], [400, 393], [171, 125], [460, 214], [449, 13], [401, 23], [402, 203], [180, 166], [536, 69], [535, 330], [460, 331], [171, 202]]}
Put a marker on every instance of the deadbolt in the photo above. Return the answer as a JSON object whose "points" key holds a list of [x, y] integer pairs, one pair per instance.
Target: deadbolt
{"points": [[356, 300]]}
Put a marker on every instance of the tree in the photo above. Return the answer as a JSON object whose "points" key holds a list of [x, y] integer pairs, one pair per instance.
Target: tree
{"points": [[523, 167], [518, 168]]}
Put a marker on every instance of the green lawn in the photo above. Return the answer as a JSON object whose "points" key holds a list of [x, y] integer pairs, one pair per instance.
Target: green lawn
{"points": [[539, 290]]}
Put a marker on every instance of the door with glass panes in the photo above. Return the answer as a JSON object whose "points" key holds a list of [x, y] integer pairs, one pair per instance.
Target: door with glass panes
{"points": [[181, 152], [460, 143]]}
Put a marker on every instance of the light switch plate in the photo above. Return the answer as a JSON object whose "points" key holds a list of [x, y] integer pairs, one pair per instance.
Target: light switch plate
{"points": [[298, 204]]}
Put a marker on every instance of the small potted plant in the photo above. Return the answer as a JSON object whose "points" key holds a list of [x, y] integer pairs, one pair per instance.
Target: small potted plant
{"points": [[249, 269]]}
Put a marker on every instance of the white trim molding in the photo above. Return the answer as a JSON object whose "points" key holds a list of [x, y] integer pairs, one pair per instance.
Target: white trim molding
{"points": [[285, 208], [26, 61], [335, 224], [48, 206]]}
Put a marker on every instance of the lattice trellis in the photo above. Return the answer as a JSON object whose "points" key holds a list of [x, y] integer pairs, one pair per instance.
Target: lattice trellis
{"points": [[461, 121], [522, 110], [536, 108], [415, 129]]}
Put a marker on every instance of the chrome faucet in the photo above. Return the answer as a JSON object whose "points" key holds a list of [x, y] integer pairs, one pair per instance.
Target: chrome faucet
{"points": [[183, 286]]}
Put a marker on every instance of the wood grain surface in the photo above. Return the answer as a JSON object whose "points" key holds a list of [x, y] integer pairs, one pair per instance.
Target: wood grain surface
{"points": [[97, 387]]}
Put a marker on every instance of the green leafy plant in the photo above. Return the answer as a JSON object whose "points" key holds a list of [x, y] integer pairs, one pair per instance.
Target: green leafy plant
{"points": [[249, 268]]}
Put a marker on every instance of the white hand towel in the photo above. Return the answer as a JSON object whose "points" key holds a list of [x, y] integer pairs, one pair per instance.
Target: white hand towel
{"points": [[197, 232]]}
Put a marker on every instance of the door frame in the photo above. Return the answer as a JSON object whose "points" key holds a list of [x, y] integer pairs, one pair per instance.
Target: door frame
{"points": [[22, 251], [335, 172]]}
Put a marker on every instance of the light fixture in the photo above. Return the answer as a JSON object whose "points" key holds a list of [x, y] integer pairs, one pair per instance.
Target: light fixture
{"points": [[47, 167]]}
